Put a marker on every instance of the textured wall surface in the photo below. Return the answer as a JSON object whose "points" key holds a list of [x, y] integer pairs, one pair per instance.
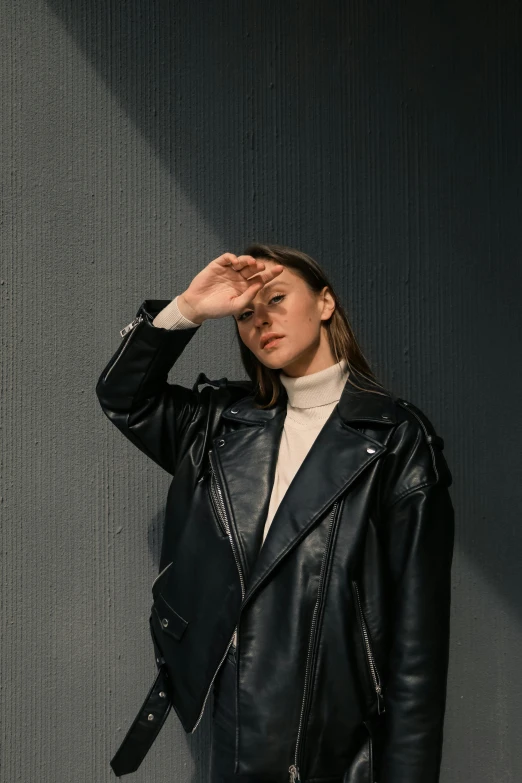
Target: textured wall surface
{"points": [[139, 141]]}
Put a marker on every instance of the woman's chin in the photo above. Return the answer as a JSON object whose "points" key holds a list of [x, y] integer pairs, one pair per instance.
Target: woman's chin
{"points": [[277, 359], [276, 363], [272, 365]]}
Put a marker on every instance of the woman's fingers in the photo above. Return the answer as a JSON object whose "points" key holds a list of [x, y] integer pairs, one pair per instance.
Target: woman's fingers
{"points": [[225, 259], [237, 262], [247, 265], [250, 268], [265, 275], [257, 281], [246, 297]]}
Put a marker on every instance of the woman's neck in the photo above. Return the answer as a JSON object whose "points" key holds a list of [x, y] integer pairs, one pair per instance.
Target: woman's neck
{"points": [[317, 388]]}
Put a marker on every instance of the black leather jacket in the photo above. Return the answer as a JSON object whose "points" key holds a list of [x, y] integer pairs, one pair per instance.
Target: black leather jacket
{"points": [[343, 613]]}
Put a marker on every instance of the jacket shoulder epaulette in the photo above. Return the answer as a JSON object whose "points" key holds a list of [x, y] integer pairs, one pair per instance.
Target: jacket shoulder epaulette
{"points": [[427, 426], [435, 441], [203, 379]]}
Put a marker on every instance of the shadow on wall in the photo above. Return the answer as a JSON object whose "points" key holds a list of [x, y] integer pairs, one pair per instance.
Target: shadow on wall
{"points": [[335, 129], [259, 102]]}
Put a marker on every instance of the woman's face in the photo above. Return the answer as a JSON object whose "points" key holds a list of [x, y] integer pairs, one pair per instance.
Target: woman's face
{"points": [[289, 308]]}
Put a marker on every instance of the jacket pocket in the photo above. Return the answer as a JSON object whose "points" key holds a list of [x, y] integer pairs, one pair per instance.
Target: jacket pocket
{"points": [[170, 621], [370, 658]]}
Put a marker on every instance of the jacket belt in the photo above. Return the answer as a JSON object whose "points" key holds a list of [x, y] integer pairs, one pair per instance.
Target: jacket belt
{"points": [[147, 723], [145, 727]]}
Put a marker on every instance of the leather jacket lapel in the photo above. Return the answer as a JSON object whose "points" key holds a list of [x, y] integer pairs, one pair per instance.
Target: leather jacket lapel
{"points": [[247, 460], [337, 456]]}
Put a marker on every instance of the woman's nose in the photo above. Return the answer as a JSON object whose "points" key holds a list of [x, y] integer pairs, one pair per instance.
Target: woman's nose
{"points": [[261, 319]]}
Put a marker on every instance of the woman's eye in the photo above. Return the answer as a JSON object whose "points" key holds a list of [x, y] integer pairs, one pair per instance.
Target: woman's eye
{"points": [[247, 312]]}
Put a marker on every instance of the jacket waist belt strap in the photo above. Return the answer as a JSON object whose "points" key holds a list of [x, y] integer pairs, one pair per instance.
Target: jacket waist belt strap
{"points": [[145, 727]]}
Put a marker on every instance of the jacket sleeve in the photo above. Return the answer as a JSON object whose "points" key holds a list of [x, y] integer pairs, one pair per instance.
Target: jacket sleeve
{"points": [[419, 535], [134, 393]]}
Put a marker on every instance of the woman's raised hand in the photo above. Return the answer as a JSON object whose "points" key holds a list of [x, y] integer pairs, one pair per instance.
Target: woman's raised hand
{"points": [[225, 287]]}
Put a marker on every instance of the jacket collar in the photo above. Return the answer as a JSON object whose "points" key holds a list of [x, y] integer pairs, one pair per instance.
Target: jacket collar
{"points": [[354, 406]]}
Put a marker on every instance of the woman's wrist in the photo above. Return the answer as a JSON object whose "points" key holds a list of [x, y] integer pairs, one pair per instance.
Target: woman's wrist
{"points": [[188, 310], [171, 317]]}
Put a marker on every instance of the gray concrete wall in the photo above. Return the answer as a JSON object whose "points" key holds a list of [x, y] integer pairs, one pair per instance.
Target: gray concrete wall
{"points": [[138, 142]]}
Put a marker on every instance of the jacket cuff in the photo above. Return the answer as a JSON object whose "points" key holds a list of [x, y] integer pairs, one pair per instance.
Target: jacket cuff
{"points": [[171, 317]]}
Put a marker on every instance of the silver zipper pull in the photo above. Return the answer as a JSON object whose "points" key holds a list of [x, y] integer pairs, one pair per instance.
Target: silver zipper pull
{"points": [[294, 774], [131, 326]]}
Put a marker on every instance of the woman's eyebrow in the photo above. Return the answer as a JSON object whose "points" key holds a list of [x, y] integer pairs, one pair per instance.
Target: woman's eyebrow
{"points": [[274, 283]]}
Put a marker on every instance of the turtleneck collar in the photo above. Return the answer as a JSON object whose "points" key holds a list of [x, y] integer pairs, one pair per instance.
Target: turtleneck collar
{"points": [[317, 388]]}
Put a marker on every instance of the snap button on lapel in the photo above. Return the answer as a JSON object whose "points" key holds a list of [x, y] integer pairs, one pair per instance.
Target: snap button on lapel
{"points": [[234, 410], [370, 451], [150, 716], [385, 416], [221, 443], [164, 622]]}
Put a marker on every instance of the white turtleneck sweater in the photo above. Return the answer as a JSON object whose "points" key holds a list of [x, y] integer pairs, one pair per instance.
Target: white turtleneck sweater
{"points": [[311, 399]]}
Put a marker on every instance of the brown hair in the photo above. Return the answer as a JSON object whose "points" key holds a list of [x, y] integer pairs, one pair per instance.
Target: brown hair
{"points": [[340, 333]]}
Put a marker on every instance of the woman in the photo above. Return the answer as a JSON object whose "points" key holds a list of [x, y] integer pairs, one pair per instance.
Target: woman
{"points": [[305, 572]]}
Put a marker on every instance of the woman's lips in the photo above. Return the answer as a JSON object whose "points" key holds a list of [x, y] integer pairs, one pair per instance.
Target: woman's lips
{"points": [[272, 342]]}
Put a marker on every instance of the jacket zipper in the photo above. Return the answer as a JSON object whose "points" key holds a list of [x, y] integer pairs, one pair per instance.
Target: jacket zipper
{"points": [[161, 573], [371, 660], [131, 326], [294, 774], [211, 683], [123, 332], [214, 497], [223, 516]]}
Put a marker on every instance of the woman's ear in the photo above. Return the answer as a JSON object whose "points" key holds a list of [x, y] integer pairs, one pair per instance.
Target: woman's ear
{"points": [[328, 303]]}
